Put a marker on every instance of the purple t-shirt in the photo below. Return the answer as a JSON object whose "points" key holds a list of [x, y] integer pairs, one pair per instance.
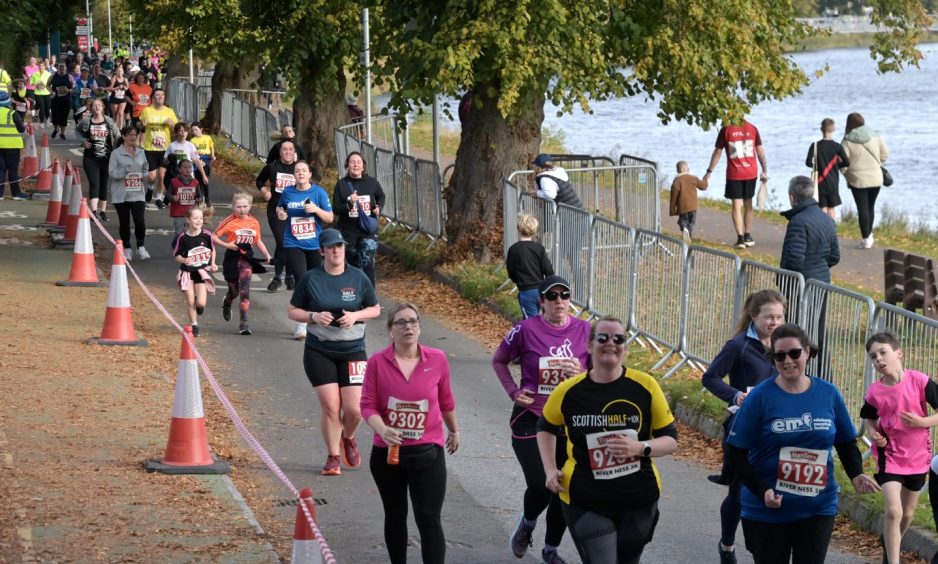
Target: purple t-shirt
{"points": [[908, 450], [538, 343]]}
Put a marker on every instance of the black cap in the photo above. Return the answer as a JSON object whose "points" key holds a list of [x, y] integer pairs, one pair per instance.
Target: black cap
{"points": [[552, 281]]}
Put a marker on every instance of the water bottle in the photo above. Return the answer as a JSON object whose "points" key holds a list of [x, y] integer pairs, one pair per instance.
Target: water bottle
{"points": [[394, 455]]}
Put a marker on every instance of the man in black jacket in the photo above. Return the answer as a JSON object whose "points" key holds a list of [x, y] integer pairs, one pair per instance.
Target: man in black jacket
{"points": [[810, 246]]}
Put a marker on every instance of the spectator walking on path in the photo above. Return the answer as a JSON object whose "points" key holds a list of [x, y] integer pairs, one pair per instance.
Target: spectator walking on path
{"points": [[825, 159], [553, 183], [11, 144], [810, 245], [743, 147], [684, 199], [528, 264], [867, 152]]}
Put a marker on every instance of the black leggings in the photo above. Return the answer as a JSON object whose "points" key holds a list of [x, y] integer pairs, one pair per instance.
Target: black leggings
{"points": [[536, 496], [60, 108], [124, 212], [276, 228], [865, 199], [803, 542], [96, 171], [43, 105], [422, 470], [621, 537], [300, 261]]}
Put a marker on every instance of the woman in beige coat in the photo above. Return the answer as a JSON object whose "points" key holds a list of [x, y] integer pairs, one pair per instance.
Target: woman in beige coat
{"points": [[866, 152]]}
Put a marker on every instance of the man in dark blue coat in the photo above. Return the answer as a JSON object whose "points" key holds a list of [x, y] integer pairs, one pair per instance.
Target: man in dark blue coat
{"points": [[810, 246]]}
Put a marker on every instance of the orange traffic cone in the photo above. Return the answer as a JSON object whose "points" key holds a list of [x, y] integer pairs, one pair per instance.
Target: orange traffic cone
{"points": [[54, 208], [44, 182], [66, 200], [71, 221], [83, 271], [187, 448], [118, 325], [30, 156], [306, 548]]}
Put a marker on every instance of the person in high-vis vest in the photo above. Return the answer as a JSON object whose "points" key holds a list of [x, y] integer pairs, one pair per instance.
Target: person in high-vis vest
{"points": [[11, 144], [6, 82]]}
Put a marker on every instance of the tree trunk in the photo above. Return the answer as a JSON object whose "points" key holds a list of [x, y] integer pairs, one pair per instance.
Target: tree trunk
{"points": [[316, 120], [490, 148], [228, 74]]}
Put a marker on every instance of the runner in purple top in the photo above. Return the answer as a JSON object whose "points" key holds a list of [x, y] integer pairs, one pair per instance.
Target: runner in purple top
{"points": [[552, 347]]}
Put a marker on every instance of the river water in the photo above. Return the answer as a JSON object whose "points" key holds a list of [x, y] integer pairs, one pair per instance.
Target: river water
{"points": [[901, 107]]}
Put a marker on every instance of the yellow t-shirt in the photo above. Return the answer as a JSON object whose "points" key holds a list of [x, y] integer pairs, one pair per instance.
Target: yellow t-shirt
{"points": [[39, 80], [157, 135], [204, 144]]}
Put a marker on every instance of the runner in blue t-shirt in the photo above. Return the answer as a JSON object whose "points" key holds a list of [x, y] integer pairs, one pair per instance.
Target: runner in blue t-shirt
{"points": [[304, 208], [780, 448]]}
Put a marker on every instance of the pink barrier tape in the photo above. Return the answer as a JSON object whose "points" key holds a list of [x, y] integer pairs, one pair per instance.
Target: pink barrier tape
{"points": [[328, 557], [31, 176]]}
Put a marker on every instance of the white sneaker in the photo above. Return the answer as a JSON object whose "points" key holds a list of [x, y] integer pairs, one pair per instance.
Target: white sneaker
{"points": [[128, 255], [869, 242], [299, 332], [142, 253], [686, 234]]}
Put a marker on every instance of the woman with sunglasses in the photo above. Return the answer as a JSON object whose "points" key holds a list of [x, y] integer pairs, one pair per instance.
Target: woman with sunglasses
{"points": [[616, 420], [780, 447], [406, 399], [551, 347], [743, 359]]}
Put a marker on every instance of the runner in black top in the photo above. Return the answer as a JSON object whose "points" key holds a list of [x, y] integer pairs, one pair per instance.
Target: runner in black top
{"points": [[279, 174]]}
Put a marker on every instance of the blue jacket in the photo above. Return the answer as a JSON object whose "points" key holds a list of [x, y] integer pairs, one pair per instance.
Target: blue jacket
{"points": [[743, 359], [810, 246]]}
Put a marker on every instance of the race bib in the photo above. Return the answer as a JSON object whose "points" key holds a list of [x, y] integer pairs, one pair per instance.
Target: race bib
{"points": [[21, 107], [356, 371], [181, 156], [303, 228], [802, 471], [409, 418], [84, 93], [549, 373], [283, 180], [603, 463], [61, 91], [186, 195], [133, 182], [365, 201], [143, 99], [158, 140], [118, 93], [200, 256], [98, 131], [245, 236]]}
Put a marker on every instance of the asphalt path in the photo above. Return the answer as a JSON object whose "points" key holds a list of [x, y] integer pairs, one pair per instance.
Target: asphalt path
{"points": [[485, 485]]}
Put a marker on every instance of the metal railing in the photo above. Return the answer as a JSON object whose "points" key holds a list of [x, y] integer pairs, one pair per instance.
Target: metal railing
{"points": [[755, 276]]}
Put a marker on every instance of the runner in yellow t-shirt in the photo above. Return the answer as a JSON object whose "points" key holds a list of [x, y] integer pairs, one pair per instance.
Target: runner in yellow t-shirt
{"points": [[204, 144], [158, 121]]}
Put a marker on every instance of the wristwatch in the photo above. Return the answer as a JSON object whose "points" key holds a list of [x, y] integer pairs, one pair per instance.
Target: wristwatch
{"points": [[646, 449]]}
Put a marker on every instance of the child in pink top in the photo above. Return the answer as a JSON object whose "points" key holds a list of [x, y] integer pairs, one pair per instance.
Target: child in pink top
{"points": [[897, 421]]}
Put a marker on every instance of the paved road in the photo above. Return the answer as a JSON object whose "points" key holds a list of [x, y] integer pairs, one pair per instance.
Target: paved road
{"points": [[485, 483]]}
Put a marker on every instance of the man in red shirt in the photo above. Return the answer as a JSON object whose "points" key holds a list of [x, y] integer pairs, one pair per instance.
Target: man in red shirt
{"points": [[743, 146]]}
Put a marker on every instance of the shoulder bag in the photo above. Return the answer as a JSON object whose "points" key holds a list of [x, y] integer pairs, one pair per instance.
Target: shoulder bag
{"points": [[887, 178], [814, 178]]}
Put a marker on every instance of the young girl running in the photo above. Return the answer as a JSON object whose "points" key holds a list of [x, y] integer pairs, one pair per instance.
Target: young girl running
{"points": [[239, 233], [897, 423], [195, 253]]}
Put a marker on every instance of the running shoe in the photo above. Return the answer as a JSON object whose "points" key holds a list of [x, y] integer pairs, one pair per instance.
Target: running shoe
{"points": [[726, 556], [128, 255], [291, 283], [159, 203], [142, 253], [520, 540], [62, 135], [299, 332], [740, 242], [274, 284], [226, 310], [20, 196], [54, 133], [747, 239], [331, 467], [195, 330], [350, 455], [103, 216], [551, 557], [244, 329]]}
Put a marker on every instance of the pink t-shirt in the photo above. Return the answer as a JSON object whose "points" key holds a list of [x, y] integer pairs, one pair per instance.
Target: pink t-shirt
{"points": [[413, 407], [29, 71], [908, 450]]}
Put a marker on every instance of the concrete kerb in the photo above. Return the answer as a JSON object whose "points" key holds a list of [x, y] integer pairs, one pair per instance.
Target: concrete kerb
{"points": [[918, 540]]}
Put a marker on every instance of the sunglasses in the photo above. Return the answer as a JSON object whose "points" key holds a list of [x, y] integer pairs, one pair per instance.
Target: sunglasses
{"points": [[793, 354], [603, 338], [552, 296]]}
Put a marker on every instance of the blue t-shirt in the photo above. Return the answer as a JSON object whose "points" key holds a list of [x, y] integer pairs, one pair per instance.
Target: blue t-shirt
{"points": [[302, 230], [788, 437]]}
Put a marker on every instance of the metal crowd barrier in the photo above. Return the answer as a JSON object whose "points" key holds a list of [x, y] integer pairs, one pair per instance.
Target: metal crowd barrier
{"points": [[640, 204], [917, 334], [611, 247], [383, 132], [657, 279], [384, 172], [510, 196], [183, 97], [405, 191], [755, 276], [429, 200]]}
